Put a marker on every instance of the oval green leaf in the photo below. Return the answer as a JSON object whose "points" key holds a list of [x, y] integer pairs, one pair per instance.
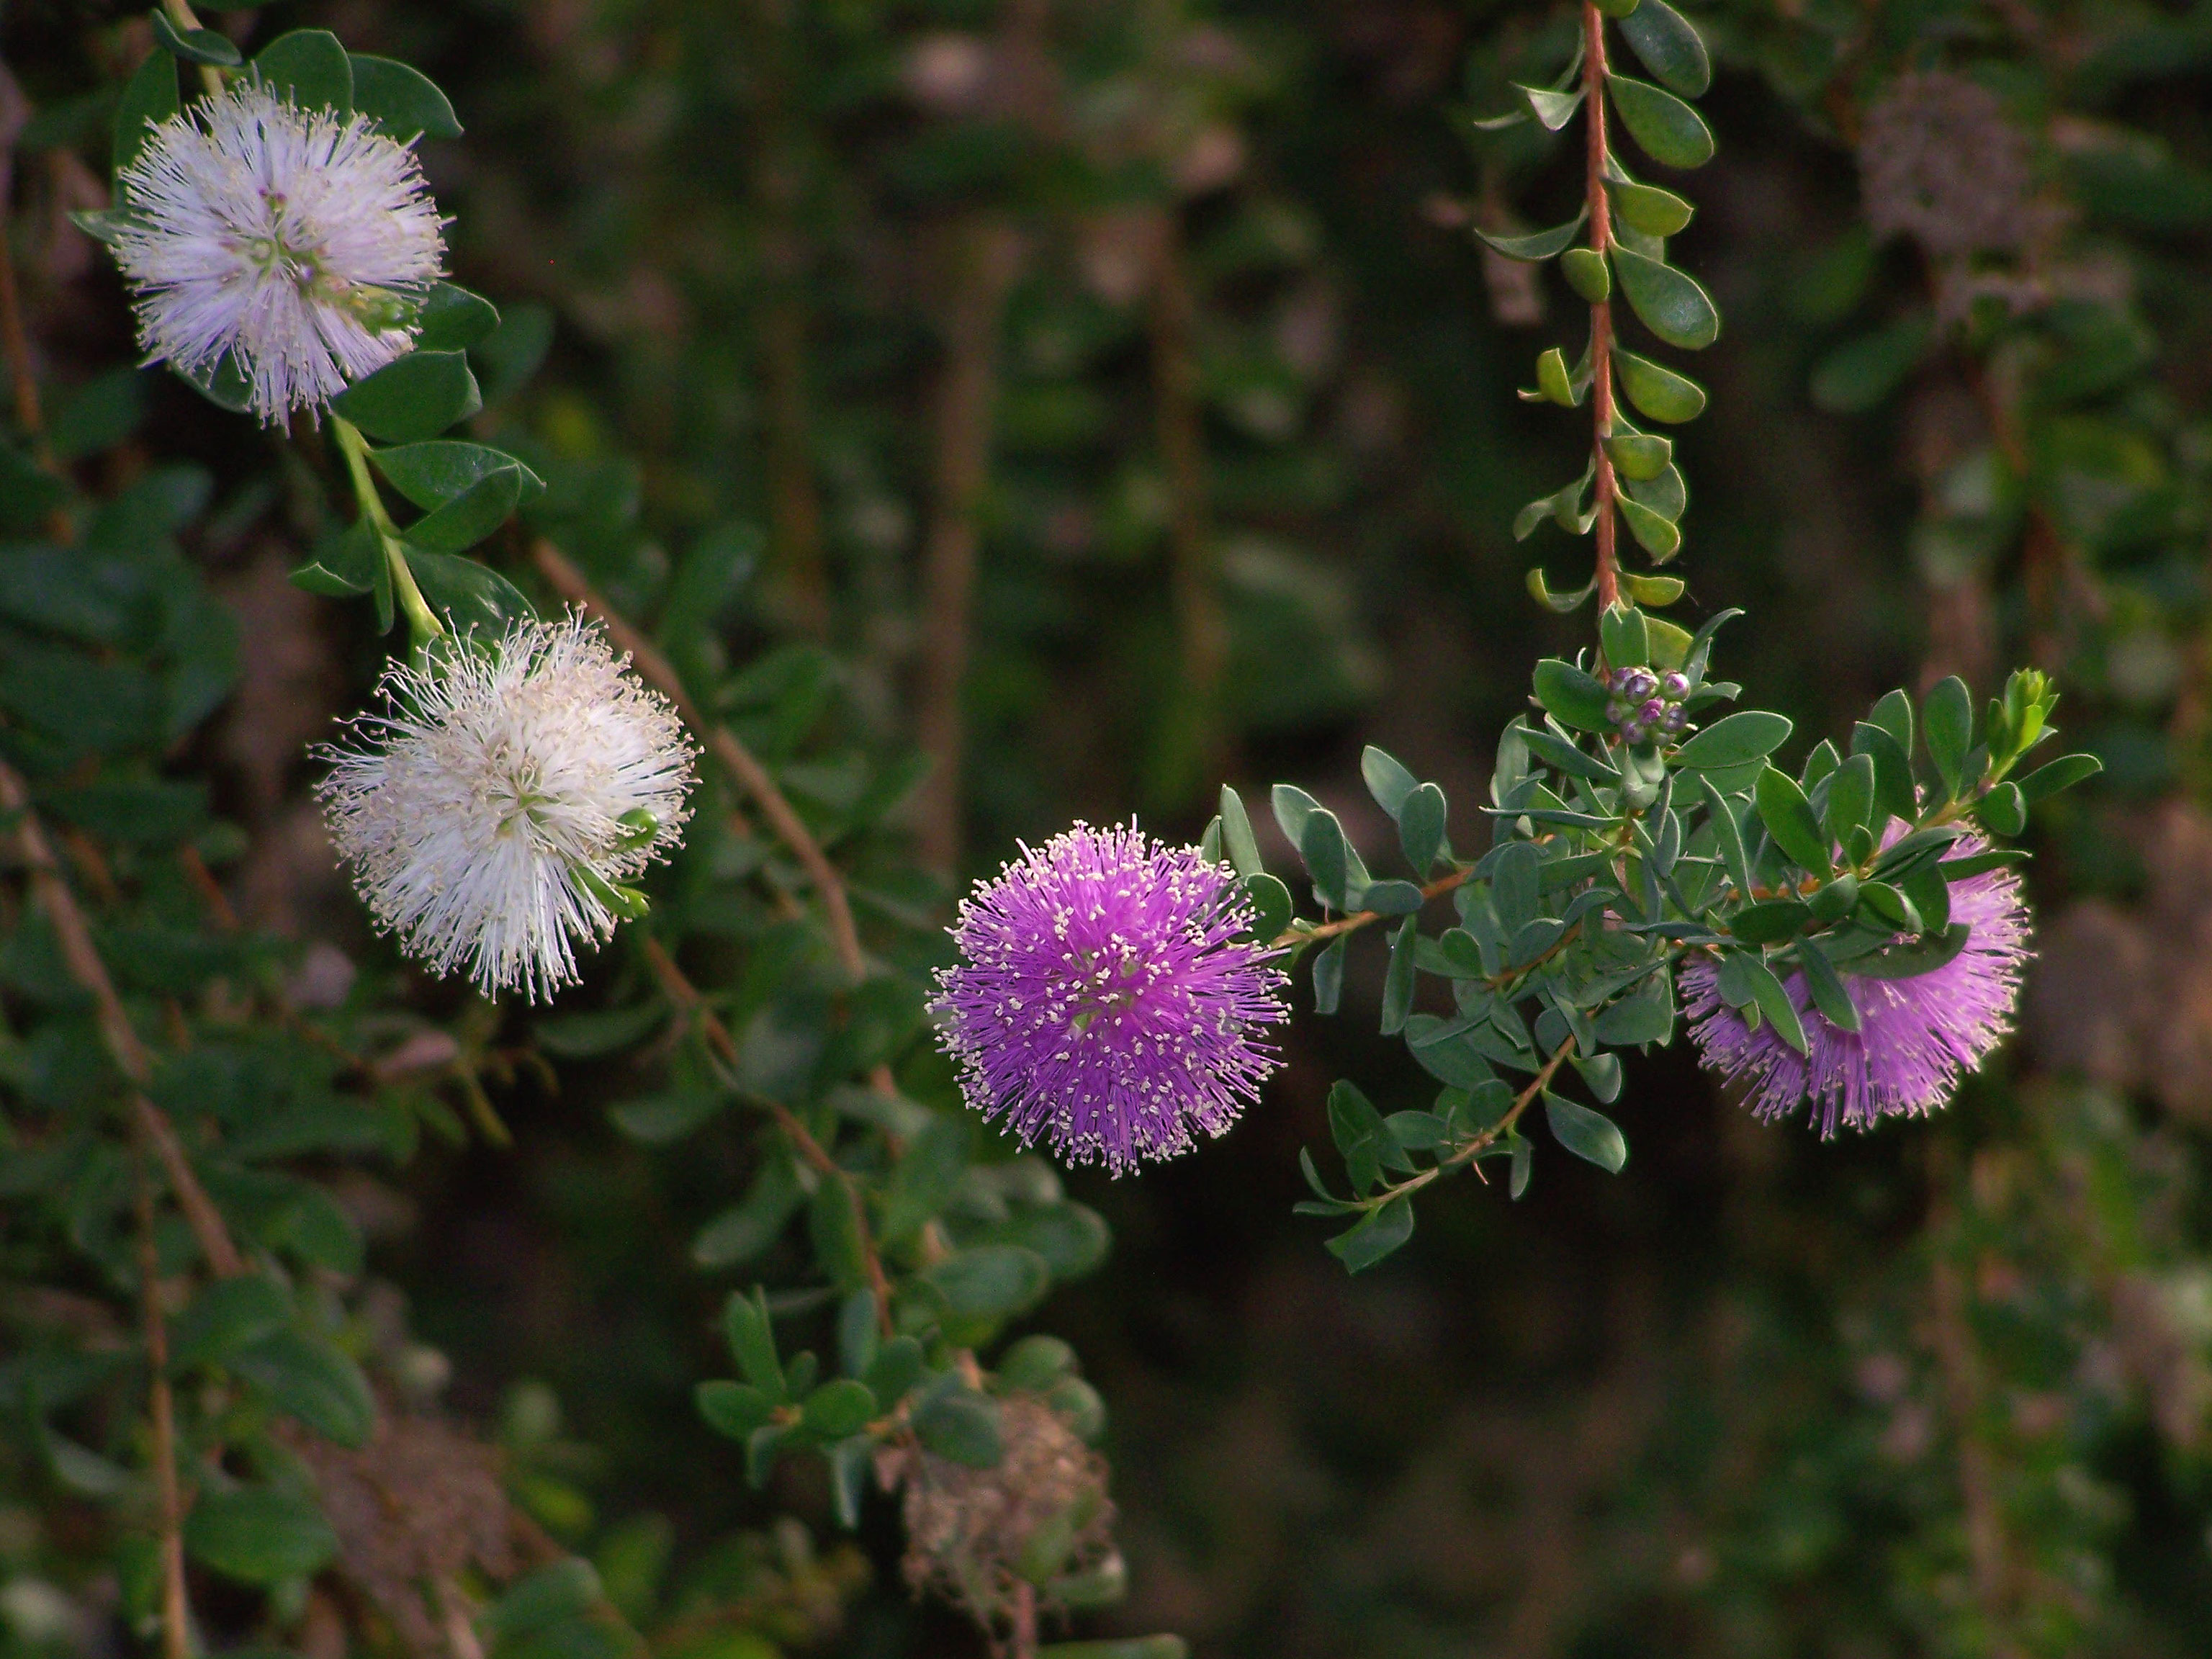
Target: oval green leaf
{"points": [[402, 100], [1654, 211], [309, 67], [1669, 130], [1669, 48], [1671, 304], [411, 398], [1537, 245], [1657, 392]]}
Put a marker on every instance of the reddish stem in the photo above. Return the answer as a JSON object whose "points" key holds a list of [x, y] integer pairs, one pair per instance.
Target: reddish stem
{"points": [[1601, 239]]}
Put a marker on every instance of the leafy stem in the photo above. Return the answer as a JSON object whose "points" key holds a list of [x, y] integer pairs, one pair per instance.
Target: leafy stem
{"points": [[1601, 342], [1314, 932], [1476, 1144], [421, 622]]}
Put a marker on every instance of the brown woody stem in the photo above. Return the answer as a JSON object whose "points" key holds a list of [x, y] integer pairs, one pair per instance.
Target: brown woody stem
{"points": [[1600, 240]]}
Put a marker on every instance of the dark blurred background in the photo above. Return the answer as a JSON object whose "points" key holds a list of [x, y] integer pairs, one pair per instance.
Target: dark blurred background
{"points": [[1163, 323]]}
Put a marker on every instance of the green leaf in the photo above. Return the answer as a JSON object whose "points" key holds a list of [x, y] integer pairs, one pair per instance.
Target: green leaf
{"points": [[1659, 537], [1036, 1362], [1671, 304], [1553, 383], [962, 1426], [993, 1281], [1669, 130], [2003, 811], [1328, 857], [1388, 780], [1736, 739], [1893, 715], [1554, 109], [1586, 1133], [471, 516], [1421, 828], [1666, 494], [1237, 841], [1657, 392], [1639, 455], [431, 474], [452, 318], [834, 1230], [1366, 1144], [402, 100], [1860, 374], [1648, 1015], [1292, 806], [897, 1367], [1669, 48], [1850, 798], [411, 398], [1772, 999], [1073, 1238], [1537, 245], [1271, 905], [1539, 589], [228, 1314], [194, 45], [1571, 696], [752, 1340], [308, 1378], [1788, 819], [1625, 635], [2062, 774], [1911, 957], [735, 1409], [664, 1119], [1375, 1235], [1584, 268], [838, 1408], [311, 68], [1947, 718], [472, 595], [1728, 833], [1328, 975], [149, 97], [1654, 590], [1829, 996], [1769, 921], [551, 1596], [1647, 208], [258, 1534], [1893, 792]]}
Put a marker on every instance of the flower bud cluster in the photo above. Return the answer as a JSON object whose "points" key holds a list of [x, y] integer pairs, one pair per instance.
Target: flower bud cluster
{"points": [[1645, 705]]}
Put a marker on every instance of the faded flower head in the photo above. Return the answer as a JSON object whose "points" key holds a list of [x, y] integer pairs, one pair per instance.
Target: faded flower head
{"points": [[976, 1536], [494, 814], [1939, 161], [1105, 999], [1916, 1037], [294, 240]]}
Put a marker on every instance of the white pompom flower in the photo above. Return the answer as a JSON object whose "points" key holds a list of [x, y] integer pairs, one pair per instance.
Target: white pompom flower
{"points": [[496, 810], [295, 240]]}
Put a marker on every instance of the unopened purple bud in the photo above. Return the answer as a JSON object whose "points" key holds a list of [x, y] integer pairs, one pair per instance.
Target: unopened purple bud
{"points": [[1635, 684], [1676, 686], [1633, 731], [1673, 720], [1651, 711], [1615, 711]]}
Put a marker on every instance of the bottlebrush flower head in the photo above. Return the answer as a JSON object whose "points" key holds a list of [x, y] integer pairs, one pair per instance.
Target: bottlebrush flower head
{"points": [[1105, 999], [1916, 1036], [494, 814], [294, 240]]}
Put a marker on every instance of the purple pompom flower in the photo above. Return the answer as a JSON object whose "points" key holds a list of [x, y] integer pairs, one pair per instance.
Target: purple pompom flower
{"points": [[1916, 1037], [1105, 1001]]}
